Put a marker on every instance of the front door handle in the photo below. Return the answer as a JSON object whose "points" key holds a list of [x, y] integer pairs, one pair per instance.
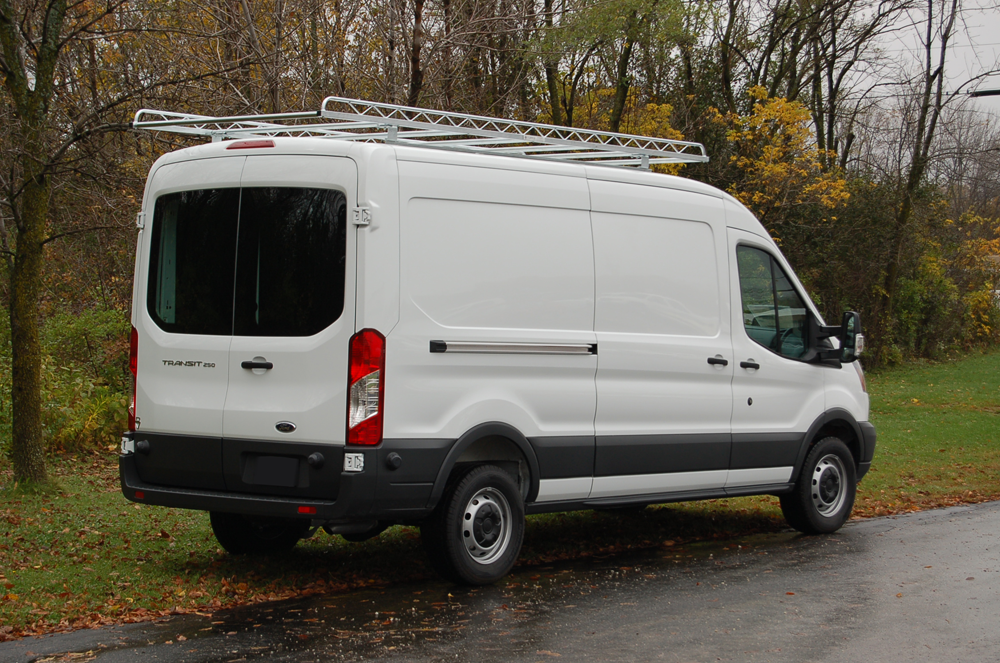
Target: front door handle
{"points": [[718, 361], [266, 365], [749, 364]]}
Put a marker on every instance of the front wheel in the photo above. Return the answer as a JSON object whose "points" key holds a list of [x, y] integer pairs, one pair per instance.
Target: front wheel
{"points": [[475, 534], [247, 535], [823, 497]]}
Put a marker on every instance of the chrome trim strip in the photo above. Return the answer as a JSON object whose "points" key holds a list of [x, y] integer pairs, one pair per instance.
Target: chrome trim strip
{"points": [[466, 347], [574, 488], [640, 484]]}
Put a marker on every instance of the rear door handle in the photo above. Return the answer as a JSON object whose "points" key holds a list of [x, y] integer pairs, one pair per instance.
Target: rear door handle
{"points": [[718, 361], [749, 364], [266, 365]]}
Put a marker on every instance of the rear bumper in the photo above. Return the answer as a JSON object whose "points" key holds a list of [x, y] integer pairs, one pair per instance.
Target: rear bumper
{"points": [[354, 499]]}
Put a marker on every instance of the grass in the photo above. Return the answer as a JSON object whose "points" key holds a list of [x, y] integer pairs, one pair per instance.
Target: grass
{"points": [[84, 556]]}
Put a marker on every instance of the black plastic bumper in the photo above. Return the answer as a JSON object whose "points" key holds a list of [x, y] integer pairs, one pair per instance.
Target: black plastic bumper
{"points": [[353, 502], [868, 451]]}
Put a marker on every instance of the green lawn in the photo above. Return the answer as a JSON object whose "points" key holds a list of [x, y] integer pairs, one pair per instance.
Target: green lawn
{"points": [[86, 556]]}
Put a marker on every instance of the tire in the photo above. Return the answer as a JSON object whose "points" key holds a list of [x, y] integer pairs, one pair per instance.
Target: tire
{"points": [[475, 534], [246, 535], [823, 497]]}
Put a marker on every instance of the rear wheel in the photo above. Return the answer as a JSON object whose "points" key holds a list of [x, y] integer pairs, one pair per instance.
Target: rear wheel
{"points": [[475, 534], [824, 494], [248, 535]]}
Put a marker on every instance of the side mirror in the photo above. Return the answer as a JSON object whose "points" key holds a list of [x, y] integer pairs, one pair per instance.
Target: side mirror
{"points": [[852, 341]]}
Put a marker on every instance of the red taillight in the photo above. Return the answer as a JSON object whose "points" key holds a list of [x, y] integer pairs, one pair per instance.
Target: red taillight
{"points": [[366, 388], [133, 367]]}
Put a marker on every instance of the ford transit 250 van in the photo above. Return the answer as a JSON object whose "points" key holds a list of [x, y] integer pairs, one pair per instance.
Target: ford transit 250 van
{"points": [[351, 333]]}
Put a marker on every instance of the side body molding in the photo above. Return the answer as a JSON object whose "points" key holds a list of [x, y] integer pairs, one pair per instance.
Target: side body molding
{"points": [[485, 430]]}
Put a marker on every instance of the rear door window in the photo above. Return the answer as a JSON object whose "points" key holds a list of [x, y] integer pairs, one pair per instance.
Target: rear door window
{"points": [[290, 262], [248, 262], [192, 254]]}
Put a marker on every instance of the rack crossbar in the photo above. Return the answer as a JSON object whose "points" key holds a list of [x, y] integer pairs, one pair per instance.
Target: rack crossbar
{"points": [[340, 118]]}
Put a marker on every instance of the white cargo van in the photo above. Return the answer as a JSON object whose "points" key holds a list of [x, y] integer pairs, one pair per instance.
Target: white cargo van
{"points": [[401, 316]]}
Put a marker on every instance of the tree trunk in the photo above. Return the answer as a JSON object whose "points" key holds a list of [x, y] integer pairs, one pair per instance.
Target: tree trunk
{"points": [[416, 73], [551, 71], [727, 57], [932, 101], [27, 449], [622, 85], [275, 74], [30, 89], [315, 70], [449, 75]]}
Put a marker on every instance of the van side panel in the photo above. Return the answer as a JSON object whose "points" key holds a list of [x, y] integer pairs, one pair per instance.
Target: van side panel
{"points": [[662, 310], [494, 257]]}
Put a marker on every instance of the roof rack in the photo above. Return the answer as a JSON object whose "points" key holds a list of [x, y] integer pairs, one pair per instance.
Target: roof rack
{"points": [[352, 119]]}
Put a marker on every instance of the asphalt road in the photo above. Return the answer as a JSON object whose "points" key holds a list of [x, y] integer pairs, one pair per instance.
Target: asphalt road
{"points": [[920, 587]]}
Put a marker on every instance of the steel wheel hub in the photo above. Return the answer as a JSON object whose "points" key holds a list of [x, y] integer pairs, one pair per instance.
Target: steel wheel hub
{"points": [[486, 525], [828, 490]]}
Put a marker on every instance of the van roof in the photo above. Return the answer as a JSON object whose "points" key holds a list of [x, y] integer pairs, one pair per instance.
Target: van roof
{"points": [[363, 151]]}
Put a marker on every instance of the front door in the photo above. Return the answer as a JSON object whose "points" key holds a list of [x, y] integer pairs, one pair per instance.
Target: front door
{"points": [[776, 396]]}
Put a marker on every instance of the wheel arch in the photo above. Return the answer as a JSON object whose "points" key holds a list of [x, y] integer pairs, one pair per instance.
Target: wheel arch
{"points": [[836, 422], [489, 442]]}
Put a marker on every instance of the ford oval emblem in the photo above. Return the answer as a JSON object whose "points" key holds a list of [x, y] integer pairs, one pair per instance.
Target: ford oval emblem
{"points": [[285, 427]]}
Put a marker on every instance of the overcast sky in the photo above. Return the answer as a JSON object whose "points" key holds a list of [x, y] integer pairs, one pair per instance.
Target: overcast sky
{"points": [[976, 49]]}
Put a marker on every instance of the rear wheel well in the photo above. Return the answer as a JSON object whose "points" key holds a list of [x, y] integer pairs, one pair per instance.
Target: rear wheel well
{"points": [[843, 430], [495, 450]]}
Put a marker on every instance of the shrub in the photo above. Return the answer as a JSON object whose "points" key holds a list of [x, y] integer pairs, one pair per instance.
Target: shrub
{"points": [[85, 381]]}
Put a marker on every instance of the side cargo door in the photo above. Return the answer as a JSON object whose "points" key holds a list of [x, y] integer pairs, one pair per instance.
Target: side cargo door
{"points": [[294, 311], [665, 368]]}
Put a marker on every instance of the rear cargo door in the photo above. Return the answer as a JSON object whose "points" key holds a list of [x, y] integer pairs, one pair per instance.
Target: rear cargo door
{"points": [[185, 290], [183, 317], [293, 317]]}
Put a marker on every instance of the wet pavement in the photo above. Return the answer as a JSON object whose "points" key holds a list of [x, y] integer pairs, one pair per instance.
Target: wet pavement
{"points": [[922, 587]]}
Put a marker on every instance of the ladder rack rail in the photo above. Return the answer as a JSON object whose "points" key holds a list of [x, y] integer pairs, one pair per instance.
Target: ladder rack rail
{"points": [[341, 118]]}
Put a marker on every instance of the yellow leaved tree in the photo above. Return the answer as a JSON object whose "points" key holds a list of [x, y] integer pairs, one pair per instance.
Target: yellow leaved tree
{"points": [[594, 108], [776, 161]]}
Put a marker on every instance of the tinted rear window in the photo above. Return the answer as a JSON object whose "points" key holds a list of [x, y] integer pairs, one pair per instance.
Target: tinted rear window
{"points": [[192, 254], [254, 262], [290, 263]]}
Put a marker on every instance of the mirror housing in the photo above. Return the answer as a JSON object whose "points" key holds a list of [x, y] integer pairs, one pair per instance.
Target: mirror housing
{"points": [[852, 340]]}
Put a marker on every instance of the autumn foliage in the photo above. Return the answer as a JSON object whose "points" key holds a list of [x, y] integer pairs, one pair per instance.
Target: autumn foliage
{"points": [[776, 163]]}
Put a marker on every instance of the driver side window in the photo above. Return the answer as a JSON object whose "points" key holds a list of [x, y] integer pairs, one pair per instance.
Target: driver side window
{"points": [[773, 313]]}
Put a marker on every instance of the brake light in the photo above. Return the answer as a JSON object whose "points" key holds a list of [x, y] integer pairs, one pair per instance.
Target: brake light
{"points": [[133, 367], [366, 388], [249, 144]]}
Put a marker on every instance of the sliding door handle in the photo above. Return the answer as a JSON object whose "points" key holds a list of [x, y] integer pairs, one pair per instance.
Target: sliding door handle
{"points": [[718, 361]]}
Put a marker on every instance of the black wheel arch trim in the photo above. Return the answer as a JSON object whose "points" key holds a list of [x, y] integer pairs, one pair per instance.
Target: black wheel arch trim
{"points": [[473, 435], [833, 414]]}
